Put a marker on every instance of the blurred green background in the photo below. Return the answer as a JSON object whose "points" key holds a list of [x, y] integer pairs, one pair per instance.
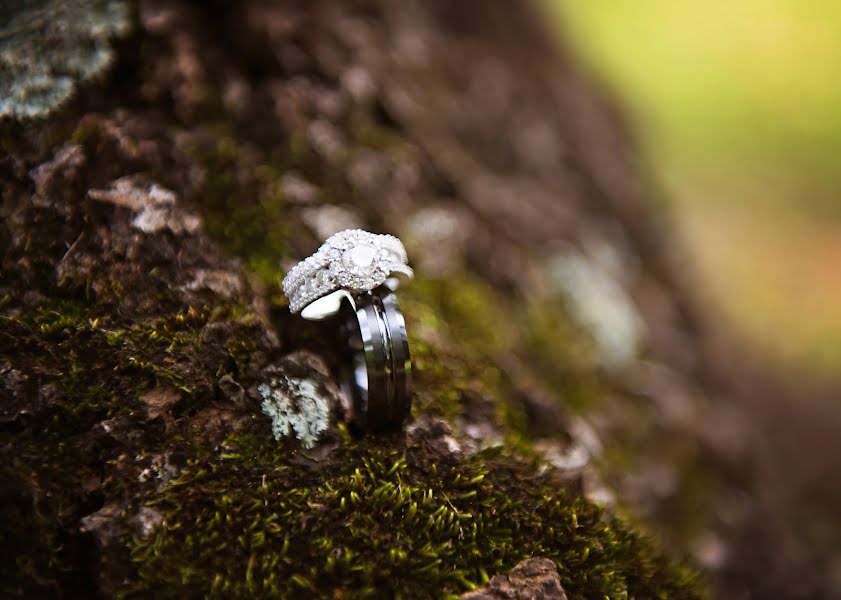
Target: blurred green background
{"points": [[738, 107]]}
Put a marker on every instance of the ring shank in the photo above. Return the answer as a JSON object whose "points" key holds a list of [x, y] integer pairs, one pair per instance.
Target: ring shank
{"points": [[378, 379]]}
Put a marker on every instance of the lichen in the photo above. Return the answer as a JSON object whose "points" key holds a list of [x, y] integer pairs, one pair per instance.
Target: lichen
{"points": [[47, 47], [295, 405]]}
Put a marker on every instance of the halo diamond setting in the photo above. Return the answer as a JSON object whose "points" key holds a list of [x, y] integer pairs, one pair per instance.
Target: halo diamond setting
{"points": [[354, 260]]}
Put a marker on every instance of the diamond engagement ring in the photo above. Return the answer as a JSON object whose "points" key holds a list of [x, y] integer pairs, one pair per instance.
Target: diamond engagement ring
{"points": [[352, 276], [352, 260]]}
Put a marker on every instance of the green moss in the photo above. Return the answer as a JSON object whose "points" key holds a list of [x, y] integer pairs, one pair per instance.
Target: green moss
{"points": [[246, 214], [44, 480], [456, 333], [97, 364], [379, 518], [90, 365], [462, 331], [59, 320], [564, 355], [467, 310]]}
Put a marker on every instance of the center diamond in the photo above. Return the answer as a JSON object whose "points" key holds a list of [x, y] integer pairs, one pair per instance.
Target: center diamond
{"points": [[360, 258]]}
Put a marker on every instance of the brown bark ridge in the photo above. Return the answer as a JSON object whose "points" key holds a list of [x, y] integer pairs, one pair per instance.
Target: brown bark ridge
{"points": [[168, 429], [532, 579]]}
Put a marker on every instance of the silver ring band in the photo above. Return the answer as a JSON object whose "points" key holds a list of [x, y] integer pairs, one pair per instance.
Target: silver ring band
{"points": [[378, 376]]}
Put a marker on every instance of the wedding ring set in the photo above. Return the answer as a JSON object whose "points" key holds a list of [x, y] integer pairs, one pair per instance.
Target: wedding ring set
{"points": [[353, 276]]}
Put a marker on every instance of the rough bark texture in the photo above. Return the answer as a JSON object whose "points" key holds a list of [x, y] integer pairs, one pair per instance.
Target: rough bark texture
{"points": [[145, 229], [532, 579]]}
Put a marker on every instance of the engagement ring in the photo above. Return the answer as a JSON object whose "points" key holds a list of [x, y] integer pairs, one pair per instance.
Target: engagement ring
{"points": [[353, 261]]}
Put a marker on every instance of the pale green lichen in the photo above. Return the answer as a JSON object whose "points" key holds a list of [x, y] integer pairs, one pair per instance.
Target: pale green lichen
{"points": [[294, 404], [47, 46]]}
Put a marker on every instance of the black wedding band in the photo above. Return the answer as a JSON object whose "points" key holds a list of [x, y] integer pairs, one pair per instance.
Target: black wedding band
{"points": [[378, 376]]}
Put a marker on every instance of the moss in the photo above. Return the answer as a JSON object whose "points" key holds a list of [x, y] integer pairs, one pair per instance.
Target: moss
{"points": [[467, 310], [456, 333], [246, 214], [564, 354], [91, 364], [45, 477], [380, 518], [462, 331]]}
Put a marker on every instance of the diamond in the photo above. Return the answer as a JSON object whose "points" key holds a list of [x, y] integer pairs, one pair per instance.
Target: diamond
{"points": [[360, 258]]}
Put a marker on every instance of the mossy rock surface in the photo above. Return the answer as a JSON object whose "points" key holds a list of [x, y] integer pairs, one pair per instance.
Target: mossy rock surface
{"points": [[135, 332]]}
